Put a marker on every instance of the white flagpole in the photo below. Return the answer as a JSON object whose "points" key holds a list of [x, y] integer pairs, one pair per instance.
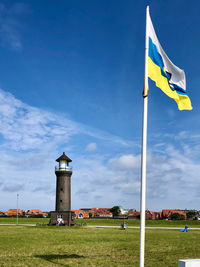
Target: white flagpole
{"points": [[144, 148]]}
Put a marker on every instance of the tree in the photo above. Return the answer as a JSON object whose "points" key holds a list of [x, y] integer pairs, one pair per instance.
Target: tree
{"points": [[191, 214], [23, 214], [115, 211], [90, 214], [177, 216]]}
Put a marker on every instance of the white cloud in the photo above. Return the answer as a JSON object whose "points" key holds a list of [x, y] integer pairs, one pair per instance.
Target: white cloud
{"points": [[91, 147], [128, 161], [26, 127]]}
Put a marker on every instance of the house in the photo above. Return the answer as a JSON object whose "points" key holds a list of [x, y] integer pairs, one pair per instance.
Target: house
{"points": [[149, 215], [86, 209], [153, 215], [101, 213], [34, 212], [158, 215], [166, 214], [123, 211], [13, 212], [133, 214], [80, 214]]}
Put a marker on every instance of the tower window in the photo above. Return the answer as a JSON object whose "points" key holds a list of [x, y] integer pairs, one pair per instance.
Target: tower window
{"points": [[61, 189], [60, 200]]}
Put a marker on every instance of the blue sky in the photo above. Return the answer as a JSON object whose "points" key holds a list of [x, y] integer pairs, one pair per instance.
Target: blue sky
{"points": [[71, 79]]}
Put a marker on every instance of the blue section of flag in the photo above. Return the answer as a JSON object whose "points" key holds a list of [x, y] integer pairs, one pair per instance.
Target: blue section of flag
{"points": [[177, 88], [157, 59]]}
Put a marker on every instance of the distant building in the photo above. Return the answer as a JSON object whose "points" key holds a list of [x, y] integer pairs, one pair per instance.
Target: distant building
{"points": [[133, 214], [34, 212], [80, 214], [149, 215], [158, 215], [13, 212], [86, 209], [123, 211], [152, 215], [101, 212], [166, 214]]}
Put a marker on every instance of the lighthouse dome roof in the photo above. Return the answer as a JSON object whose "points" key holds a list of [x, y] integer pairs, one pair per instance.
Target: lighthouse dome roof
{"points": [[63, 157]]}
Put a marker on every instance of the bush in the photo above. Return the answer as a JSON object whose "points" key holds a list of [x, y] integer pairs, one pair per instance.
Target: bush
{"points": [[191, 214], [36, 216], [177, 216], [115, 211]]}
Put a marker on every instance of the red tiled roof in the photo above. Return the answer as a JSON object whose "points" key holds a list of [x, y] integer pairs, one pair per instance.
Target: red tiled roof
{"points": [[167, 213], [100, 212], [133, 213], [34, 212], [14, 212], [77, 212]]}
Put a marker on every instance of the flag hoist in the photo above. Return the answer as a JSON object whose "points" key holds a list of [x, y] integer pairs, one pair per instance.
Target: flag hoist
{"points": [[171, 80]]}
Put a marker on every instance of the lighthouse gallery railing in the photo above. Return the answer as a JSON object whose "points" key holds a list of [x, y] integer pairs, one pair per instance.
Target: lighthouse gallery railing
{"points": [[68, 168]]}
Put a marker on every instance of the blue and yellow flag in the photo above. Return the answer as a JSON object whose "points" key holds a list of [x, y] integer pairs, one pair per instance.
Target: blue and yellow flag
{"points": [[168, 77]]}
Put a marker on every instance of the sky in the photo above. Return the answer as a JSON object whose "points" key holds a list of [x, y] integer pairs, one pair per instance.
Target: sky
{"points": [[71, 80]]}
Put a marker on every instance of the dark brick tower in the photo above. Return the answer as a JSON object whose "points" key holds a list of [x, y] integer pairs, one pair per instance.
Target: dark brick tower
{"points": [[62, 214]]}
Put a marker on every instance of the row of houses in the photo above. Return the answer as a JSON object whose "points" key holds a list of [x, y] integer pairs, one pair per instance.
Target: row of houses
{"points": [[93, 213], [154, 215], [14, 212], [166, 214], [81, 213]]}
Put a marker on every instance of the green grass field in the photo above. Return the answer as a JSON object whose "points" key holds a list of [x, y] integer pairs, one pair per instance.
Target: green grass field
{"points": [[159, 223], [12, 220], [156, 223], [63, 246]]}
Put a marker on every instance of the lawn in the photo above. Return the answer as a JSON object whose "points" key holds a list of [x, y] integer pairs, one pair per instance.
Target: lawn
{"points": [[21, 220], [158, 223], [63, 246]]}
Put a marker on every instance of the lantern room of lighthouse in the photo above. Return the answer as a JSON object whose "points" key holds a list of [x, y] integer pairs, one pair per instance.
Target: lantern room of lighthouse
{"points": [[63, 163]]}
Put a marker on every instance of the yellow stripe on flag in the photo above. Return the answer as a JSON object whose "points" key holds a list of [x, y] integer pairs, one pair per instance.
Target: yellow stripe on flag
{"points": [[154, 73]]}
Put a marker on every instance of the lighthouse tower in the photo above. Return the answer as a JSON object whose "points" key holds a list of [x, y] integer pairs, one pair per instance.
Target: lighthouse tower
{"points": [[62, 214]]}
